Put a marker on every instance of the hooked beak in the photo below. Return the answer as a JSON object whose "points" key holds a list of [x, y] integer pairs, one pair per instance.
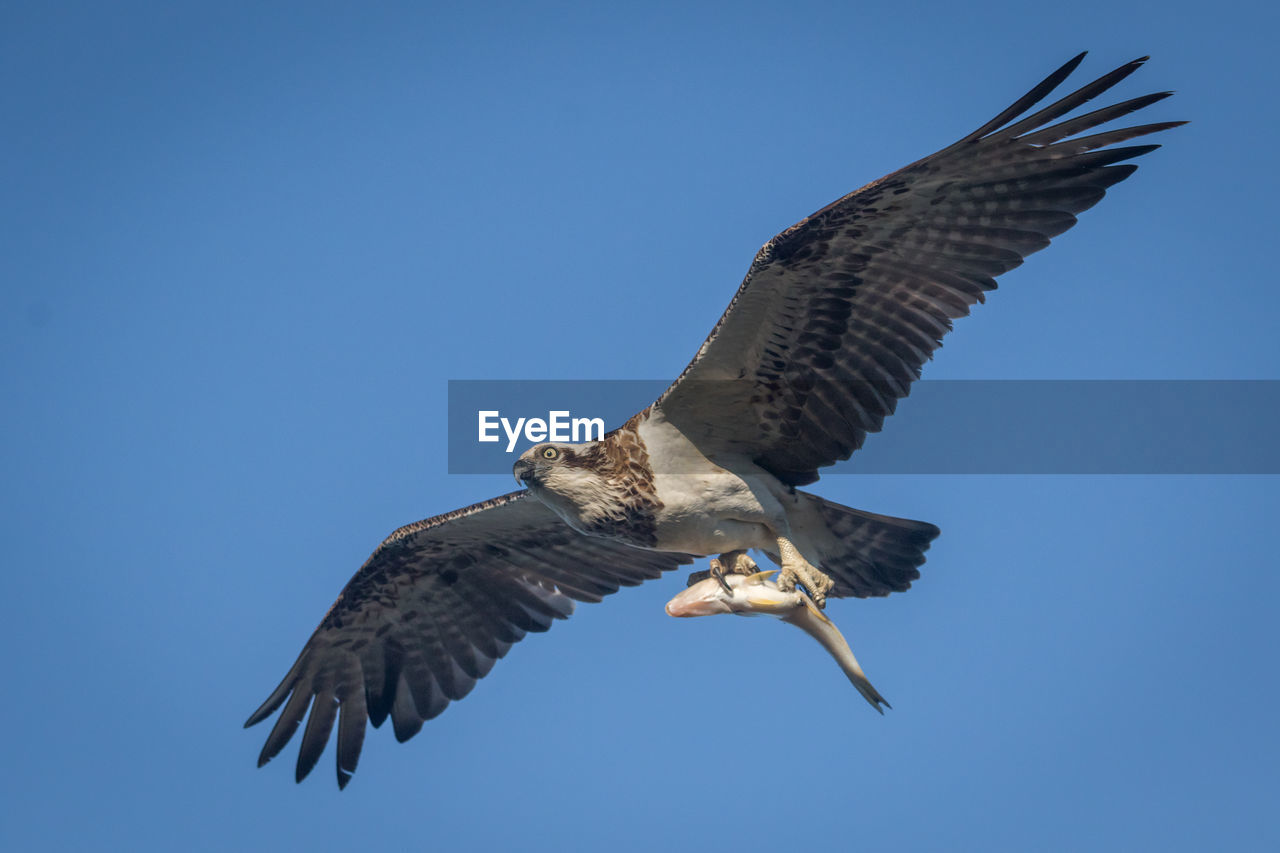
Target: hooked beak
{"points": [[524, 471], [704, 598]]}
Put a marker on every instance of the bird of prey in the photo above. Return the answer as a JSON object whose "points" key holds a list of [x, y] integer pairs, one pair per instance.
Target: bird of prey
{"points": [[833, 322]]}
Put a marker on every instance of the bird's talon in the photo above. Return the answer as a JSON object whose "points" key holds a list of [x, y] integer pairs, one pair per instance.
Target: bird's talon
{"points": [[812, 583], [819, 600], [717, 572]]}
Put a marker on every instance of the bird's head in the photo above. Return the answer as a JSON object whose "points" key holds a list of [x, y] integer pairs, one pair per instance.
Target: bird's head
{"points": [[536, 465], [555, 469]]}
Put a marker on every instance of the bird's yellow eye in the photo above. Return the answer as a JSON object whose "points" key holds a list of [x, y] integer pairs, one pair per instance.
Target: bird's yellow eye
{"points": [[550, 453]]}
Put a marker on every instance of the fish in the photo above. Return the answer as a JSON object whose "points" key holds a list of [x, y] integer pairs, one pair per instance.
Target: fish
{"points": [[756, 595]]}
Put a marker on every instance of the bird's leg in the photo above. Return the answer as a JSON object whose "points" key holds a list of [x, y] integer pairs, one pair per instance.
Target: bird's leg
{"points": [[732, 563], [796, 569], [738, 563]]}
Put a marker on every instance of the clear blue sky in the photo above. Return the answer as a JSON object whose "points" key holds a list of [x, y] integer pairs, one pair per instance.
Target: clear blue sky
{"points": [[244, 248]]}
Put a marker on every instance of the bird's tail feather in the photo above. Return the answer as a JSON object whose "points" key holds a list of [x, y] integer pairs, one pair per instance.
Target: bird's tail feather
{"points": [[868, 554]]}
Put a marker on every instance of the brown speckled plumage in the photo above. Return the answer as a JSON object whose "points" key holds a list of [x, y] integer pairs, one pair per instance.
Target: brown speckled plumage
{"points": [[622, 461]]}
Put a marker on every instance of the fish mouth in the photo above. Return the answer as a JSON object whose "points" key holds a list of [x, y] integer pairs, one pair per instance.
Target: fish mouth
{"points": [[698, 604]]}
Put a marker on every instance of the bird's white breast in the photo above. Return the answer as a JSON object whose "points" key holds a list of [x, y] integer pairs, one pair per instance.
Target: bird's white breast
{"points": [[708, 508]]}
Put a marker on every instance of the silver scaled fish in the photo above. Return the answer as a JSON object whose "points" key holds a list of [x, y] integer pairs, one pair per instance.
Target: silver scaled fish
{"points": [[754, 595]]}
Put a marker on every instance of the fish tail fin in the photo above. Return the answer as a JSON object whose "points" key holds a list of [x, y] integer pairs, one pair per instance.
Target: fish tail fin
{"points": [[870, 693], [815, 623]]}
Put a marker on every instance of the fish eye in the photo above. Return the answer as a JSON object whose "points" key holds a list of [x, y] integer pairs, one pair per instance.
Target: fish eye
{"points": [[550, 453]]}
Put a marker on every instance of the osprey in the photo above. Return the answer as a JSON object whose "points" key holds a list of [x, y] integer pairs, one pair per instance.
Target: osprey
{"points": [[833, 322]]}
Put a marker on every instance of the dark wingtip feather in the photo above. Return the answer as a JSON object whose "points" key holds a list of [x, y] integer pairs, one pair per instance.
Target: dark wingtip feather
{"points": [[286, 724], [405, 729], [1029, 100], [267, 708], [1069, 102], [1067, 67], [1131, 66], [277, 697], [1108, 156], [352, 714], [405, 719], [324, 710], [1109, 176]]}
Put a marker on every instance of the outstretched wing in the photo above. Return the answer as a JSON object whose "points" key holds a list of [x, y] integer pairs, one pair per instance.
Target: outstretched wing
{"points": [[839, 313], [431, 610]]}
